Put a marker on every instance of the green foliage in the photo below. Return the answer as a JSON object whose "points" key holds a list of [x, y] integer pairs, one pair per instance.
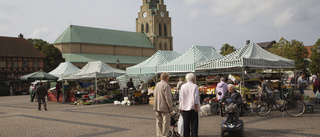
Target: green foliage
{"points": [[293, 50], [227, 49], [52, 54], [314, 64]]}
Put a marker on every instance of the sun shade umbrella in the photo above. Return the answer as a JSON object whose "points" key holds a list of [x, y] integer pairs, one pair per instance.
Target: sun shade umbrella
{"points": [[39, 75]]}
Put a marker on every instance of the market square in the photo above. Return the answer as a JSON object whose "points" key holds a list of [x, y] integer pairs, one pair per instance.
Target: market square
{"points": [[159, 68], [20, 118]]}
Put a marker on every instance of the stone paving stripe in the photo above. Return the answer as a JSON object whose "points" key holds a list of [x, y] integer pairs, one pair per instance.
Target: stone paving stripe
{"points": [[114, 129]]}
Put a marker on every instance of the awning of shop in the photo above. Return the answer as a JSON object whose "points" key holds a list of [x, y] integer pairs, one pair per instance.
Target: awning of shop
{"points": [[251, 56], [149, 66], [186, 61]]}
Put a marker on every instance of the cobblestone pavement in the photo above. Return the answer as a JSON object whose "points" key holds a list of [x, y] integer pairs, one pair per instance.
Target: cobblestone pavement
{"points": [[19, 117]]}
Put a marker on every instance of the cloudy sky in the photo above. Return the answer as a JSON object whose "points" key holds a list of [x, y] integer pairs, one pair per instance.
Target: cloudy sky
{"points": [[194, 22]]}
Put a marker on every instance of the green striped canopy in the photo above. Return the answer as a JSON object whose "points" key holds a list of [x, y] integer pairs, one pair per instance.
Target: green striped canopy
{"points": [[149, 66], [252, 55], [186, 61]]}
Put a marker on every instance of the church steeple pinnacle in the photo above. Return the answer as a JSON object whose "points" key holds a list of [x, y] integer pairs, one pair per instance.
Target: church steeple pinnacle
{"points": [[154, 20]]}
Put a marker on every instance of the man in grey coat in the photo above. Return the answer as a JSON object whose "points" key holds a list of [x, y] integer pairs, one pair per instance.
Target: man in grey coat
{"points": [[42, 92], [163, 105]]}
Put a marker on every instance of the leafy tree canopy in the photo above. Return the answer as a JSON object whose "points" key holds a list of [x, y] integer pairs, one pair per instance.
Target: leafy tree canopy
{"points": [[227, 49], [294, 50], [52, 54], [314, 59]]}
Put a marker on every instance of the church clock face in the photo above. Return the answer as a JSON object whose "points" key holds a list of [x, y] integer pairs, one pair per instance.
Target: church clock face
{"points": [[161, 14], [144, 14]]}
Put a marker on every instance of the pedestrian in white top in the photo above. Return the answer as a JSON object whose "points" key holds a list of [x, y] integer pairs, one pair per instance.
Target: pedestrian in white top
{"points": [[144, 91], [189, 105]]}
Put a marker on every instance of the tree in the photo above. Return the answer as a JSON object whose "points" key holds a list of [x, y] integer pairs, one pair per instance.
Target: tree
{"points": [[52, 54], [314, 58], [299, 56], [293, 50], [226, 49]]}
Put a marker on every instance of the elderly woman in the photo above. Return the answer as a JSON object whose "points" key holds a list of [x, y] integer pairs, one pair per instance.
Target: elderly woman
{"points": [[189, 105], [236, 97]]}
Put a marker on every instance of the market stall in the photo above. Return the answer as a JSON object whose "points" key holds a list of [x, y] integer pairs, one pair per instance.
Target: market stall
{"points": [[242, 60], [64, 69], [94, 70]]}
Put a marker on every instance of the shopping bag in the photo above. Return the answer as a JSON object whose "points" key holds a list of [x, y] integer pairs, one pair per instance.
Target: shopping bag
{"points": [[317, 95], [180, 125]]}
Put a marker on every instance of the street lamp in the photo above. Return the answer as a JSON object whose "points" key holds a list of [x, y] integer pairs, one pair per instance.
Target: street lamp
{"points": [[318, 51], [117, 61]]}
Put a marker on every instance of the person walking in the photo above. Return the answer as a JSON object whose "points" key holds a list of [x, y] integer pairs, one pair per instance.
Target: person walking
{"points": [[189, 105], [222, 88], [179, 84], [31, 92], [42, 92], [316, 84], [144, 91], [163, 105], [301, 83]]}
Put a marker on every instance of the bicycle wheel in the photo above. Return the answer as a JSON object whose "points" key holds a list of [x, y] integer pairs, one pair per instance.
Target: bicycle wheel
{"points": [[264, 108], [295, 107]]}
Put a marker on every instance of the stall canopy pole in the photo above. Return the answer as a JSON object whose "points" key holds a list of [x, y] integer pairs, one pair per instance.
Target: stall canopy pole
{"points": [[63, 96], [281, 92], [96, 85], [243, 82]]}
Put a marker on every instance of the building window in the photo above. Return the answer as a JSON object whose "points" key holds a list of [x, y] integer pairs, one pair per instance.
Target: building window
{"points": [[147, 28], [165, 30], [160, 32], [35, 64], [3, 64], [14, 64], [142, 28], [25, 64]]}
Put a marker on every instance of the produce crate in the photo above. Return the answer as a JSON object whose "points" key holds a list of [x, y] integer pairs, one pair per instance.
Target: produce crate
{"points": [[309, 108]]}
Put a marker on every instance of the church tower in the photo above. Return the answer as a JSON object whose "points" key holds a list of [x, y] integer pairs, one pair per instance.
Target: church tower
{"points": [[153, 19]]}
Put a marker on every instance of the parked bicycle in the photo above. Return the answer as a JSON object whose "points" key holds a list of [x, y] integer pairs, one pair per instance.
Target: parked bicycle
{"points": [[292, 105]]}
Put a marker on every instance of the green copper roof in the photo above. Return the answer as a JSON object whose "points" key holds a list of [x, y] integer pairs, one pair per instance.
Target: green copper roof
{"points": [[80, 34], [82, 58]]}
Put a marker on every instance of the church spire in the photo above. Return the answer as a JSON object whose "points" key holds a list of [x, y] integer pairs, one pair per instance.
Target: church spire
{"points": [[152, 3]]}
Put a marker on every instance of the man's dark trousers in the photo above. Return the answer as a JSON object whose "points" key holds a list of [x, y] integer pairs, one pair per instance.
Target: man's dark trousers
{"points": [[44, 103], [190, 117]]}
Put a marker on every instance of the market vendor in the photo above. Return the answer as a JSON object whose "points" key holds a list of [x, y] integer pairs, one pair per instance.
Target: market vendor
{"points": [[130, 84], [144, 91], [151, 83], [263, 87]]}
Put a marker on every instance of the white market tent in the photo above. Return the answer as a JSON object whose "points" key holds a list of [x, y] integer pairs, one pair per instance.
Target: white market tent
{"points": [[64, 69], [149, 66], [186, 61], [96, 69], [252, 56]]}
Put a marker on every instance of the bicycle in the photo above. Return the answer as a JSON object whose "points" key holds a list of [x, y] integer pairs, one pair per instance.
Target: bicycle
{"points": [[292, 105]]}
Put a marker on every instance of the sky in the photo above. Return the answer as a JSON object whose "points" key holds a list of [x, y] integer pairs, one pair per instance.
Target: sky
{"points": [[194, 22]]}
